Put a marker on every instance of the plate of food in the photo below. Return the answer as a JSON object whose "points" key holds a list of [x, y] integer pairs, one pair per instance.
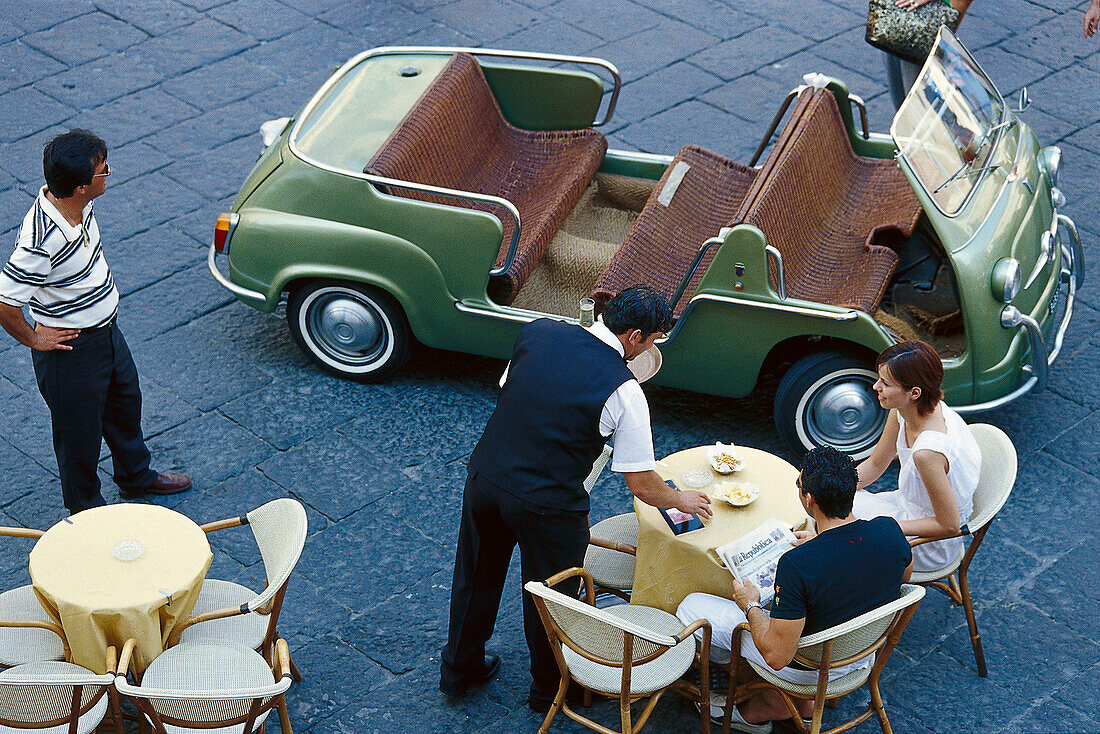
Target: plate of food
{"points": [[723, 458], [737, 494]]}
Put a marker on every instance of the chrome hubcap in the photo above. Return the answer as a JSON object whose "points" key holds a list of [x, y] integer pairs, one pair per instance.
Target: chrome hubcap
{"points": [[348, 327], [845, 413]]}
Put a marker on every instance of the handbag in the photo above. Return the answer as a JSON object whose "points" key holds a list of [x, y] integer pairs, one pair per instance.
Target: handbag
{"points": [[908, 35]]}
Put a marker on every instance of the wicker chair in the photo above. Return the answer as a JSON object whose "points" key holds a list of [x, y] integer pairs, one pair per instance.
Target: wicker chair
{"points": [[53, 697], [210, 684], [456, 137], [997, 478], [27, 633], [874, 633], [612, 546], [229, 611], [626, 652]]}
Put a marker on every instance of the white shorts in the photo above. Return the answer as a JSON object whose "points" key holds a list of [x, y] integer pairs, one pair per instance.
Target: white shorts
{"points": [[724, 616]]}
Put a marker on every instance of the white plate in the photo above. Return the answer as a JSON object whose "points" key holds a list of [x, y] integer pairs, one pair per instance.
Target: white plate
{"points": [[646, 364], [720, 493], [717, 450]]}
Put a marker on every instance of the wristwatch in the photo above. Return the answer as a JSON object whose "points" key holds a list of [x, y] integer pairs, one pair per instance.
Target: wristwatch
{"points": [[751, 605]]}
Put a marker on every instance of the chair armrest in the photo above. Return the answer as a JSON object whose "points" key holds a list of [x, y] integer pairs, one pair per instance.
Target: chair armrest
{"points": [[282, 658], [589, 586], [690, 630], [111, 660], [229, 522], [21, 532], [124, 659], [921, 540], [177, 631], [612, 545]]}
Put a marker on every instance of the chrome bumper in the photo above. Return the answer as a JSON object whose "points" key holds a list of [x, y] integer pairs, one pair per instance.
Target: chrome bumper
{"points": [[238, 291], [1071, 278]]}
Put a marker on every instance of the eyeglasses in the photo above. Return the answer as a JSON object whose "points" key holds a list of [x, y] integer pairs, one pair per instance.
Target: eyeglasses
{"points": [[106, 170]]}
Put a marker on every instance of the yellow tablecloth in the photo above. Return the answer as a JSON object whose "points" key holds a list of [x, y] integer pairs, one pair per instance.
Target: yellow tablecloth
{"points": [[669, 567], [99, 599]]}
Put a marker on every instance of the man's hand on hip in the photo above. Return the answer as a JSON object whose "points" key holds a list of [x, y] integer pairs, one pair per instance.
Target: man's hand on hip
{"points": [[47, 338]]}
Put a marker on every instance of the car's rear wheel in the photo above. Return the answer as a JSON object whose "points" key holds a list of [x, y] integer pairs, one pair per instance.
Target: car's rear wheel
{"points": [[826, 399], [352, 330]]}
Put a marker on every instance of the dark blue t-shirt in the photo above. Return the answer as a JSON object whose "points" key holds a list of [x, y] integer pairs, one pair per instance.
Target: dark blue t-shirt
{"points": [[841, 574]]}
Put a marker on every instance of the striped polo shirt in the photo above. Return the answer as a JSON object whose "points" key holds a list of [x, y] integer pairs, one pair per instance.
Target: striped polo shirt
{"points": [[59, 270]]}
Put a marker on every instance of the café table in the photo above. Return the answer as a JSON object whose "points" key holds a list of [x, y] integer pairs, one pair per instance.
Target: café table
{"points": [[117, 572], [668, 567]]}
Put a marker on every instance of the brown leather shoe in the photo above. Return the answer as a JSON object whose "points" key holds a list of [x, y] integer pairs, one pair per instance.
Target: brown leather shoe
{"points": [[164, 484]]}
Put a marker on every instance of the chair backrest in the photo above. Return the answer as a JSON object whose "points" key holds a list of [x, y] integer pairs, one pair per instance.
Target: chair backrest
{"points": [[280, 528], [203, 709], [592, 632], [998, 474], [597, 468], [33, 696], [860, 636]]}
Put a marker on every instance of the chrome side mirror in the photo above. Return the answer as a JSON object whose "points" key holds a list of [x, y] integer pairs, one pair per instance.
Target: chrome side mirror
{"points": [[1025, 101]]}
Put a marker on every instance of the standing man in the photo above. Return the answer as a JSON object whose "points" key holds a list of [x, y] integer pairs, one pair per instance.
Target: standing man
{"points": [[566, 391], [83, 366], [846, 569]]}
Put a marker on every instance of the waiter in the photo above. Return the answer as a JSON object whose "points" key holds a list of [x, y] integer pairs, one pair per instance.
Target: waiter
{"points": [[83, 366], [566, 391]]}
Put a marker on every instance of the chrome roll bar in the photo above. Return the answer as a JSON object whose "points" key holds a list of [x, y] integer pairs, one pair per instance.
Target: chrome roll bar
{"points": [[781, 280], [791, 95]]}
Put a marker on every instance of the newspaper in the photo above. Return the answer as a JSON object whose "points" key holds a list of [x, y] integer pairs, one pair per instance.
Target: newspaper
{"points": [[753, 557]]}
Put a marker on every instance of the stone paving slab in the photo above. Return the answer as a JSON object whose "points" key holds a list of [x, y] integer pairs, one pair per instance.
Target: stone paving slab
{"points": [[178, 89]]}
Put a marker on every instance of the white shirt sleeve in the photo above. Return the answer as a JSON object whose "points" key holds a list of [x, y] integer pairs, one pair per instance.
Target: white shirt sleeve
{"points": [[625, 417], [25, 271]]}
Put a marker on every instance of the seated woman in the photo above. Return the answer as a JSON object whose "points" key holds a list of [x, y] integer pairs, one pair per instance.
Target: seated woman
{"points": [[940, 460]]}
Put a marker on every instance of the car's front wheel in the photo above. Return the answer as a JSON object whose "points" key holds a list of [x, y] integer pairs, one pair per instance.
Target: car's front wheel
{"points": [[826, 399], [352, 330]]}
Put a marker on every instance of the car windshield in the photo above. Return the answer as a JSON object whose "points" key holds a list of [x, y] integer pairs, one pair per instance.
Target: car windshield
{"points": [[948, 125]]}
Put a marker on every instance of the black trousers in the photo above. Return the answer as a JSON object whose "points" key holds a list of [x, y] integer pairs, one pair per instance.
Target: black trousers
{"points": [[93, 393], [493, 523]]}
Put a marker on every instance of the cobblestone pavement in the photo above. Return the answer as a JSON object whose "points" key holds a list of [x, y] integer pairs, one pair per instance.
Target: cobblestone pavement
{"points": [[179, 88]]}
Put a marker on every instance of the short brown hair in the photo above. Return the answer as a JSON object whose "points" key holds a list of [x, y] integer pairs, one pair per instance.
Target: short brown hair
{"points": [[915, 364]]}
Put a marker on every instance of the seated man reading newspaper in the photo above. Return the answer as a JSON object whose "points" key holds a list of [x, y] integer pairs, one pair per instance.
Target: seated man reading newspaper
{"points": [[847, 568]]}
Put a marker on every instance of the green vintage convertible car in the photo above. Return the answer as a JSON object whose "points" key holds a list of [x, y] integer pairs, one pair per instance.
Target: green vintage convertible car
{"points": [[452, 195]]}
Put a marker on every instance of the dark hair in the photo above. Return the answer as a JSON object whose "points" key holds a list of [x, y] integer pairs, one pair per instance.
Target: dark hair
{"points": [[915, 364], [70, 160], [637, 307], [831, 478]]}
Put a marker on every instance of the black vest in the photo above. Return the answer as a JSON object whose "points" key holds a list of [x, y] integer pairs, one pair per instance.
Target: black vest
{"points": [[544, 434]]}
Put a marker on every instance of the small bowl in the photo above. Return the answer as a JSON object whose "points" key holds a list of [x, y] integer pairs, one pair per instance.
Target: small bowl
{"points": [[746, 493], [724, 467], [696, 477]]}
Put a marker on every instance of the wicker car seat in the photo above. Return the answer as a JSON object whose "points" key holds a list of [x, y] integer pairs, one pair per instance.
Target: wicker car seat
{"points": [[821, 206], [815, 200], [456, 137], [699, 194]]}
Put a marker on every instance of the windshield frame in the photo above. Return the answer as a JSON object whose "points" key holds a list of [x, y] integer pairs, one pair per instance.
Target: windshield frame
{"points": [[948, 40]]}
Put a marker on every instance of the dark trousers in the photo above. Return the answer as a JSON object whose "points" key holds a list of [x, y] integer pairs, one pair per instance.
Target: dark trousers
{"points": [[493, 523], [93, 393]]}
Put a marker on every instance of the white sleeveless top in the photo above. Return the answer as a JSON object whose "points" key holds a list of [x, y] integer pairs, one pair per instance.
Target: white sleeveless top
{"points": [[911, 501], [964, 463]]}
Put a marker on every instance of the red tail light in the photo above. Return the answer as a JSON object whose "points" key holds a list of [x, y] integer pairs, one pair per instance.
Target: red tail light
{"points": [[223, 230]]}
